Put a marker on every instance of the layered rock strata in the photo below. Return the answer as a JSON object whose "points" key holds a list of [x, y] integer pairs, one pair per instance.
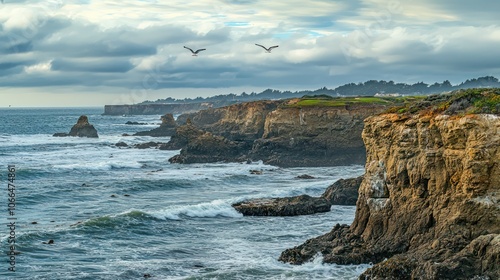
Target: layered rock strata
{"points": [[286, 206], [428, 206]]}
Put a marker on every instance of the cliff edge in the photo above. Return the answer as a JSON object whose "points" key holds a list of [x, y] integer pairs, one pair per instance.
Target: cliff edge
{"points": [[428, 206]]}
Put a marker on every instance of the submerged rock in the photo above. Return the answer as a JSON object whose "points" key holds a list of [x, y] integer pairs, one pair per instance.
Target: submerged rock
{"points": [[288, 206], [81, 129]]}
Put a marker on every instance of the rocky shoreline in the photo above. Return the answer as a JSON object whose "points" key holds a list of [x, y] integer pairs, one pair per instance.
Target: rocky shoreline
{"points": [[428, 205]]}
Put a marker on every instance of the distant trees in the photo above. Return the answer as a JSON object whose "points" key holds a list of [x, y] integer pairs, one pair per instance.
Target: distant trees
{"points": [[367, 88]]}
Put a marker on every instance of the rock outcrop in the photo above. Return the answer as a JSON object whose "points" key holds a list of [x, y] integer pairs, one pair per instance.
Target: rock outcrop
{"points": [[82, 128], [343, 192], [428, 206], [167, 128], [285, 133], [314, 136], [287, 206]]}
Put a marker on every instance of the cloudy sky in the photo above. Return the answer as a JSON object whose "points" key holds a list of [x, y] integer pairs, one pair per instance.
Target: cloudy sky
{"points": [[89, 52]]}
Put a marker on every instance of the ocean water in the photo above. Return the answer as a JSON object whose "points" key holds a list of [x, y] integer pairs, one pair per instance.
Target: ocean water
{"points": [[121, 213]]}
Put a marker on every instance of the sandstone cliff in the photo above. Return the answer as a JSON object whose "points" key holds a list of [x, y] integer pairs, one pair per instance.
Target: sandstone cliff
{"points": [[286, 132], [429, 201], [314, 135]]}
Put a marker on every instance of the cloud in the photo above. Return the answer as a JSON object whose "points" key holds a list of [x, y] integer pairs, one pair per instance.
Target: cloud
{"points": [[117, 47]]}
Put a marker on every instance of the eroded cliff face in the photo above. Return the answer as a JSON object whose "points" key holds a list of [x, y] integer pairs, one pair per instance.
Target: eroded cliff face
{"points": [[284, 135], [314, 136], [429, 201], [243, 121]]}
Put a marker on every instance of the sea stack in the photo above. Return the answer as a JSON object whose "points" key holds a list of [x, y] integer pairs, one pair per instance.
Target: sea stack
{"points": [[82, 128]]}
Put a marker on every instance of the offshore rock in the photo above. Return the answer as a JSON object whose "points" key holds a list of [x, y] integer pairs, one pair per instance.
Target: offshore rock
{"points": [[288, 206], [167, 128], [429, 203], [343, 192], [82, 128]]}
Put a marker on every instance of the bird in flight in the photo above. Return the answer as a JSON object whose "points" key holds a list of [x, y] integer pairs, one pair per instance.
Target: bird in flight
{"points": [[195, 53], [267, 49]]}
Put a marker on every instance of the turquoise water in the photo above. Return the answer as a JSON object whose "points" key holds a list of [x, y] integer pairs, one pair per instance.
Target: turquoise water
{"points": [[119, 213]]}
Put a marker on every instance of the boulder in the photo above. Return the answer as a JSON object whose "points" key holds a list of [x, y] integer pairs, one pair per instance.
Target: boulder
{"points": [[343, 191], [288, 206]]}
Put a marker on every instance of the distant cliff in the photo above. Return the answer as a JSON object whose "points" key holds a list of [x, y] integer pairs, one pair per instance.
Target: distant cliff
{"points": [[161, 109], [429, 203]]}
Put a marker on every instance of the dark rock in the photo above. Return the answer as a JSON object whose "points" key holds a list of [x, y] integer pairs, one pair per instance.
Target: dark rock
{"points": [[288, 206], [211, 148], [183, 135], [121, 144], [135, 123], [343, 192], [305, 176], [83, 128], [167, 128], [256, 172], [60, 134], [149, 145]]}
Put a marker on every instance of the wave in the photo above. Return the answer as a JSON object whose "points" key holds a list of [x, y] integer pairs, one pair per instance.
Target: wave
{"points": [[216, 208], [99, 165]]}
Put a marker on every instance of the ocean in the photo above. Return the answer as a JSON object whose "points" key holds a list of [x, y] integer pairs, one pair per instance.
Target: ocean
{"points": [[122, 213]]}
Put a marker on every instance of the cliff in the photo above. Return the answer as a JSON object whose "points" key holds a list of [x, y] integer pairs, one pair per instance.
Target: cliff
{"points": [[314, 135], [311, 131], [428, 206]]}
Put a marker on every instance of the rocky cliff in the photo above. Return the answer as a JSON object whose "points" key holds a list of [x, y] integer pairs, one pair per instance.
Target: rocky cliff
{"points": [[314, 135], [428, 205], [286, 132]]}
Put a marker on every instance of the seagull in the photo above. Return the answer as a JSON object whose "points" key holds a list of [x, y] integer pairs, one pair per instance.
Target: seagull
{"points": [[267, 49], [195, 53]]}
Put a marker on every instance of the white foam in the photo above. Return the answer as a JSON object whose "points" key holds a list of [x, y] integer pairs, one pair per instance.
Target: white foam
{"points": [[203, 210]]}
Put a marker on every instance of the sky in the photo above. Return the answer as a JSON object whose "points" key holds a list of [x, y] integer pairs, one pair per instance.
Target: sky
{"points": [[91, 53]]}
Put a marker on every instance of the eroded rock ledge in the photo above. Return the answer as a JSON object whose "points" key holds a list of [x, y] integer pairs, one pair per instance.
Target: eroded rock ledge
{"points": [[428, 205]]}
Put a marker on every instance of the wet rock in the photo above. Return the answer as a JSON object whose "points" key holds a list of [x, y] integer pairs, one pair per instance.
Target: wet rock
{"points": [[289, 206], [134, 123], [305, 176], [343, 191], [121, 144]]}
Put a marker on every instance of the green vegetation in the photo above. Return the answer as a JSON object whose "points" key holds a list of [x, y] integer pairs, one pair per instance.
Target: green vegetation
{"points": [[468, 101], [328, 101]]}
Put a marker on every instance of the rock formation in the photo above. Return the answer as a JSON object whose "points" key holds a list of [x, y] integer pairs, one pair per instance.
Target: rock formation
{"points": [[82, 128], [287, 206], [282, 133], [167, 128], [428, 206], [343, 192]]}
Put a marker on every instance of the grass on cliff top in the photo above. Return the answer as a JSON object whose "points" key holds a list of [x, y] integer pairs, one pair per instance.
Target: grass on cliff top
{"points": [[460, 102], [328, 101]]}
